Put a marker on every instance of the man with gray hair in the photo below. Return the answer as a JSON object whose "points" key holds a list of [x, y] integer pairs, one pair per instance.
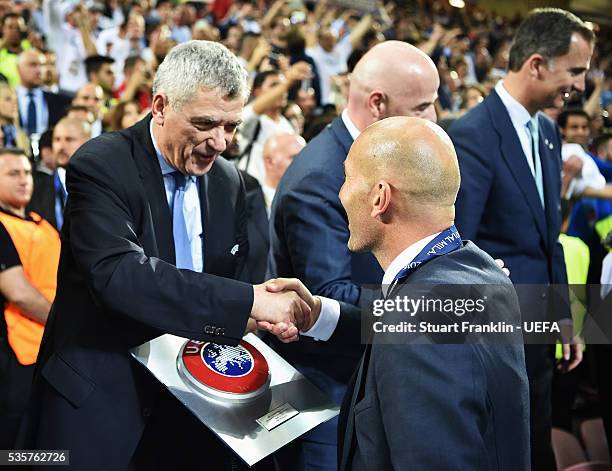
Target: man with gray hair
{"points": [[154, 232]]}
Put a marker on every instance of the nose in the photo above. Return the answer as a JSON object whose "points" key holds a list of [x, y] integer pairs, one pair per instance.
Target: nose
{"points": [[430, 114], [579, 85], [217, 141]]}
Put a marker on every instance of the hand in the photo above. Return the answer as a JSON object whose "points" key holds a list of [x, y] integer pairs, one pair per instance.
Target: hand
{"points": [[298, 72], [572, 355], [292, 284], [285, 308], [572, 166]]}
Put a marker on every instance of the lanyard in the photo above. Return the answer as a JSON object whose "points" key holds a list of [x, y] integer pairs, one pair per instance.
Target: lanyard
{"points": [[445, 242]]}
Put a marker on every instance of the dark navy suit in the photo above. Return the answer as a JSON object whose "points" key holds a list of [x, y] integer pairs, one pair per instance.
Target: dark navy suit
{"points": [[308, 240], [118, 287], [498, 207], [422, 405]]}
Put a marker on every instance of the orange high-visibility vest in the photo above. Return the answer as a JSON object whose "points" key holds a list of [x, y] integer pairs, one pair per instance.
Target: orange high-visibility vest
{"points": [[38, 245]]}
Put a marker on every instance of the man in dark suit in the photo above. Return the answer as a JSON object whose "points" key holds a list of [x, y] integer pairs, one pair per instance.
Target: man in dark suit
{"points": [[38, 108], [154, 231], [509, 201], [278, 153], [420, 400], [49, 197], [309, 229]]}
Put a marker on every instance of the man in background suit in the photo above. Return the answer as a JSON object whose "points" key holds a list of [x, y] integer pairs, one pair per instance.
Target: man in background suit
{"points": [[154, 231], [509, 201], [38, 108], [278, 153], [309, 229], [421, 401], [49, 197]]}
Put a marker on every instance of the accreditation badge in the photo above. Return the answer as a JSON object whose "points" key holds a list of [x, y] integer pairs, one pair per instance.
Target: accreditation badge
{"points": [[248, 395]]}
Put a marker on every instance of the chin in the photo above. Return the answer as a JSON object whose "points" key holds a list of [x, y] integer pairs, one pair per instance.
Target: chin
{"points": [[200, 168]]}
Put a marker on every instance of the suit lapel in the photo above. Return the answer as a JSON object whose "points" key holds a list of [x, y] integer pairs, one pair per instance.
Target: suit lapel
{"points": [[347, 443], [339, 130], [203, 189], [260, 215], [550, 177], [516, 160], [153, 183]]}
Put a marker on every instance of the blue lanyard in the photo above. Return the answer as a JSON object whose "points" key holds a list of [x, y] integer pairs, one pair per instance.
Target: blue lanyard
{"points": [[445, 242]]}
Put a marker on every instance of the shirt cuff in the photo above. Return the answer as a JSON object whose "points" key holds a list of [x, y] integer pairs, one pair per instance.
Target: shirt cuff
{"points": [[327, 321]]}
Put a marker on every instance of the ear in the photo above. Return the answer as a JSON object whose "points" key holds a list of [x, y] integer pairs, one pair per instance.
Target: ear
{"points": [[381, 199], [158, 108], [268, 160], [376, 104], [534, 65]]}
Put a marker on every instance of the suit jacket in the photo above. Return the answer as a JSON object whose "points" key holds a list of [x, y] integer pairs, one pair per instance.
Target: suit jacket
{"points": [[43, 196], [57, 104], [259, 239], [308, 240], [498, 206], [117, 288], [418, 404]]}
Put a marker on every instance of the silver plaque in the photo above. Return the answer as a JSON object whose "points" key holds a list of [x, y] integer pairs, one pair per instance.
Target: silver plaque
{"points": [[288, 407]]}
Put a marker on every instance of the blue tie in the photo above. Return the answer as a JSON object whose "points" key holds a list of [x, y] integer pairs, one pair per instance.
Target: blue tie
{"points": [[31, 124], [182, 246], [532, 125]]}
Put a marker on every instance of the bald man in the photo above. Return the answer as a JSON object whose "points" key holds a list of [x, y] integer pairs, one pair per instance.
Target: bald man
{"points": [[50, 193], [279, 151], [421, 401], [308, 226], [38, 108], [91, 95]]}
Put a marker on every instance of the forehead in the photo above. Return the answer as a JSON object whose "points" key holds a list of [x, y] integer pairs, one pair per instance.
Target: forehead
{"points": [[14, 162], [66, 130], [32, 58], [271, 80], [211, 103], [579, 53], [577, 119]]}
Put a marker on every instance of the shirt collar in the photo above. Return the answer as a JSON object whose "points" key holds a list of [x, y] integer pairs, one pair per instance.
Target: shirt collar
{"points": [[166, 169], [268, 192], [403, 259], [23, 92], [350, 126], [518, 113]]}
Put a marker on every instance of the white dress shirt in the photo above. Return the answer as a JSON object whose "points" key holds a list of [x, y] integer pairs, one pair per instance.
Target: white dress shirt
{"points": [[42, 112], [191, 207], [330, 309], [519, 117], [350, 126]]}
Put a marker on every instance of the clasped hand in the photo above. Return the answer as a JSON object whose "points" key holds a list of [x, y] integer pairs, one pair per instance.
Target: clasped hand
{"points": [[283, 307]]}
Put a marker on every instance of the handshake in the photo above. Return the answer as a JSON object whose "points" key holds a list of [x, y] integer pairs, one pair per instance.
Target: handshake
{"points": [[283, 307]]}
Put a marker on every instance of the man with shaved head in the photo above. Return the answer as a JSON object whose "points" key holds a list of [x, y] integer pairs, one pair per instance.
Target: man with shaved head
{"points": [[418, 401], [38, 108], [308, 225]]}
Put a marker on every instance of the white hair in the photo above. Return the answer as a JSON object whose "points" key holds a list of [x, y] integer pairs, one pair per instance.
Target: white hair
{"points": [[193, 65]]}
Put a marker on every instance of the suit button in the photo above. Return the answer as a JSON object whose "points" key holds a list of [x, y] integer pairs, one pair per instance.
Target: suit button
{"points": [[147, 411], [543, 295]]}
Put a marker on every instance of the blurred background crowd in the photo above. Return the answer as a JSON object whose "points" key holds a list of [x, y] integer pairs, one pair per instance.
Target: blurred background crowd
{"points": [[70, 71]]}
